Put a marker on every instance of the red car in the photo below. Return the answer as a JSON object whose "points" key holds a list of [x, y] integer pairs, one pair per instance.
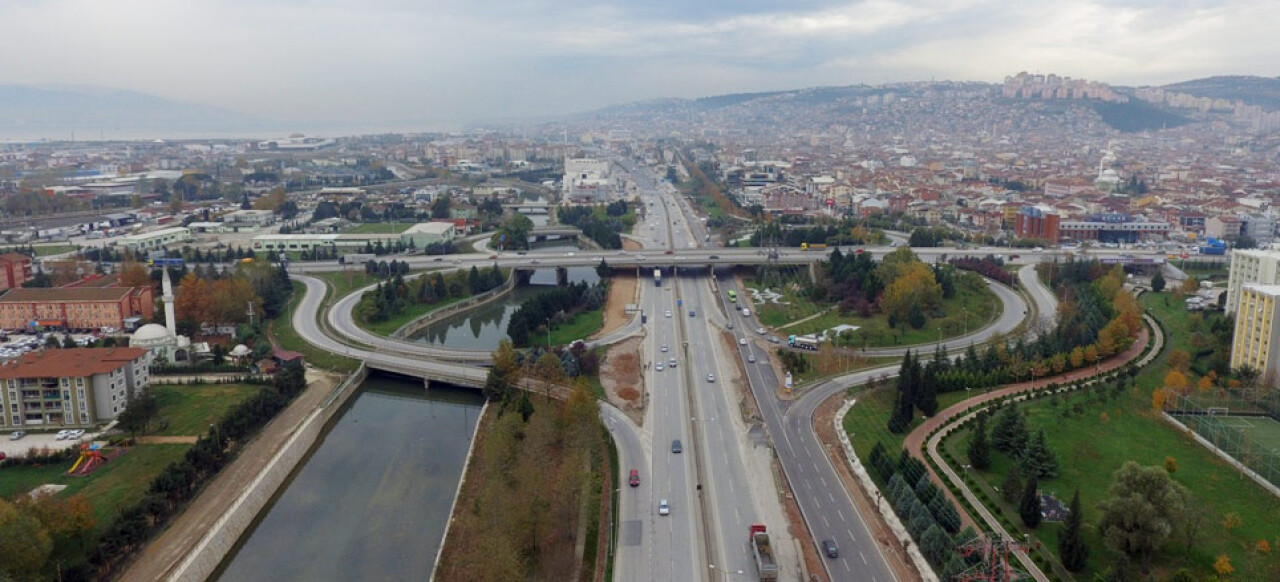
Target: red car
{"points": [[635, 478]]}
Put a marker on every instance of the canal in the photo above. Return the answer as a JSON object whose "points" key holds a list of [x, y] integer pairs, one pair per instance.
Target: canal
{"points": [[372, 500]]}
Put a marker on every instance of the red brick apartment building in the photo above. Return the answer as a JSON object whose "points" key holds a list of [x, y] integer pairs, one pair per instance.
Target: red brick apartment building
{"points": [[87, 308], [15, 269]]}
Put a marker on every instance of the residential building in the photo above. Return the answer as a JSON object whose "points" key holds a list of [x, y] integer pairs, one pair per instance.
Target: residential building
{"points": [[1113, 227], [1225, 227], [74, 308], [1038, 222], [150, 241], [71, 387], [15, 269], [1251, 266], [1256, 343]]}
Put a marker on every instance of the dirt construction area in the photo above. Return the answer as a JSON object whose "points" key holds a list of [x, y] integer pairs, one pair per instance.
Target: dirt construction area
{"points": [[622, 291], [620, 377]]}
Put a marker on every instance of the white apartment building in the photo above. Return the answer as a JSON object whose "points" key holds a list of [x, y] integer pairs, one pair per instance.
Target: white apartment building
{"points": [[1251, 266], [71, 387]]}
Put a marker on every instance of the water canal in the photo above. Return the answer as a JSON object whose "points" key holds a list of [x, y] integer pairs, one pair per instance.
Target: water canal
{"points": [[372, 500]]}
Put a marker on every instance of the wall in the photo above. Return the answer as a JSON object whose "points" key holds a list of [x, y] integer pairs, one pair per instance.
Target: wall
{"points": [[223, 535], [430, 317]]}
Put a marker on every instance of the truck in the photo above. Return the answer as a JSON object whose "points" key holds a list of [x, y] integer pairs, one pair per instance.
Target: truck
{"points": [[812, 247], [803, 342], [358, 259], [763, 552], [1214, 247], [657, 277]]}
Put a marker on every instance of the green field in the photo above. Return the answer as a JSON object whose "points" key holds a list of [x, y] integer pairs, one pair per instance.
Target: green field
{"points": [[972, 308], [288, 338], [410, 313], [579, 328], [1109, 431], [42, 250], [868, 419], [380, 228], [118, 483], [190, 409], [342, 283]]}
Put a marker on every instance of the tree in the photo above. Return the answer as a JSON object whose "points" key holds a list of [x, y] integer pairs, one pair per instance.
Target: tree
{"points": [[141, 410], [1170, 465], [1222, 566], [1010, 433], [603, 270], [1011, 489], [1037, 461], [1157, 281], [1231, 521], [440, 207], [979, 451], [25, 545], [549, 369], [1144, 509], [1029, 506], [1072, 550], [1179, 360], [133, 274]]}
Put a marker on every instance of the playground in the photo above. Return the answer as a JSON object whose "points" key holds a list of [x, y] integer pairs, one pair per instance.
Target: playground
{"points": [[93, 456]]}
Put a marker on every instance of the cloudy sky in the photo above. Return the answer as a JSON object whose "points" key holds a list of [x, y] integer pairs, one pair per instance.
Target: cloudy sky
{"points": [[439, 64]]}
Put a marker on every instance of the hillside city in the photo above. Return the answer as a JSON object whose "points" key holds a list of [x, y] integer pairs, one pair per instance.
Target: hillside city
{"points": [[917, 331]]}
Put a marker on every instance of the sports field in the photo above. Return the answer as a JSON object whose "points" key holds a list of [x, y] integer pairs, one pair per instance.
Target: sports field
{"points": [[1263, 431]]}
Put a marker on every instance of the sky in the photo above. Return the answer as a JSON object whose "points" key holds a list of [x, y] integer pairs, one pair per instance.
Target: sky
{"points": [[441, 64]]}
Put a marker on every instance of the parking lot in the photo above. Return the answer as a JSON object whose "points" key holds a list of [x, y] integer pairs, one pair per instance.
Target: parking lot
{"points": [[38, 440], [15, 344]]}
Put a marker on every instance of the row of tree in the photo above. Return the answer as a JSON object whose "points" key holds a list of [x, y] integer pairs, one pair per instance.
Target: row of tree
{"points": [[601, 224], [553, 306], [231, 297], [391, 297], [924, 508], [988, 266], [845, 232]]}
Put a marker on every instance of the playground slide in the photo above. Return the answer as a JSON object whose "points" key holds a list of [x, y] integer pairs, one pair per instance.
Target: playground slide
{"points": [[78, 461]]}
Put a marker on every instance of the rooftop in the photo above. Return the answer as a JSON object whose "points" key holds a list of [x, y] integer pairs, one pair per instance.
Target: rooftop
{"points": [[39, 295], [69, 363]]}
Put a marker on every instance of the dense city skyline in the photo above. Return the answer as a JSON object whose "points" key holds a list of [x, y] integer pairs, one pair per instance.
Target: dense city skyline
{"points": [[394, 64]]}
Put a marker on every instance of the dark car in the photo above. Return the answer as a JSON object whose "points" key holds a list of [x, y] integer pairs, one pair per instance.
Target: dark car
{"points": [[635, 478], [714, 257], [676, 447], [830, 549]]}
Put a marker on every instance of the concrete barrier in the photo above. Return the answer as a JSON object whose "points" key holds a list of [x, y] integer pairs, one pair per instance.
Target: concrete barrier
{"points": [[223, 535], [435, 315]]}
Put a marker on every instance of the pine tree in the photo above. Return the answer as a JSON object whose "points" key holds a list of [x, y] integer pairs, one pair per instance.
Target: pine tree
{"points": [[1037, 460], [979, 450], [905, 402], [927, 392], [1029, 505], [1071, 547], [1010, 433], [1157, 281], [1011, 489]]}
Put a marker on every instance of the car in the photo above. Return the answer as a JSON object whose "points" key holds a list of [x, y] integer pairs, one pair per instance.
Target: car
{"points": [[634, 479], [75, 434], [17, 434], [692, 313], [760, 330], [676, 447], [622, 253], [773, 339], [1037, 249], [658, 366], [711, 377], [830, 549], [521, 253], [730, 325], [664, 508], [437, 260], [669, 252], [640, 257], [668, 313], [671, 362], [664, 347], [568, 254], [62, 435], [742, 341], [1014, 257], [751, 358], [535, 261], [714, 257], [493, 256]]}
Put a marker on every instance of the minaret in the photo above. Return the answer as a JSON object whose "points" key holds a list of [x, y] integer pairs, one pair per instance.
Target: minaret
{"points": [[170, 320]]}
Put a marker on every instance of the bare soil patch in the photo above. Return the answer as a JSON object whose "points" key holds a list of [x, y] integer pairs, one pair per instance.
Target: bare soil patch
{"points": [[631, 245], [622, 290], [738, 379], [621, 379]]}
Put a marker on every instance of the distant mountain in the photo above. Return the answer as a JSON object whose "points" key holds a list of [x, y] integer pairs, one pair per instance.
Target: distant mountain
{"points": [[28, 112], [1260, 91]]}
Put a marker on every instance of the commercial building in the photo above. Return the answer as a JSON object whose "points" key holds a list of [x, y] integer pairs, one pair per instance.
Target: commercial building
{"points": [[1038, 222], [307, 242], [71, 387], [426, 233], [1255, 341], [15, 269], [587, 180], [150, 241], [1113, 228], [1251, 266], [255, 218], [74, 308]]}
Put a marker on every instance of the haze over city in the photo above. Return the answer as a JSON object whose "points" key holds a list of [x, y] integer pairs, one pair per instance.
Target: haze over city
{"points": [[393, 64]]}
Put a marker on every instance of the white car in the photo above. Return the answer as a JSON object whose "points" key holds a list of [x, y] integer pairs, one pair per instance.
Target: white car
{"points": [[658, 366], [664, 347], [62, 435], [664, 508], [742, 341], [75, 434], [668, 313], [751, 358], [711, 377]]}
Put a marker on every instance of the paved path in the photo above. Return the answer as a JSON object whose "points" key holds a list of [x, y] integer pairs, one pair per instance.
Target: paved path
{"points": [[157, 560], [951, 416]]}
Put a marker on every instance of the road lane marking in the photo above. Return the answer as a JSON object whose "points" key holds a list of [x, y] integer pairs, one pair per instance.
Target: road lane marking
{"points": [[864, 558]]}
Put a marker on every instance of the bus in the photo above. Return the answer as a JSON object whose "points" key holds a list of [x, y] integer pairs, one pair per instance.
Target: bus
{"points": [[733, 296]]}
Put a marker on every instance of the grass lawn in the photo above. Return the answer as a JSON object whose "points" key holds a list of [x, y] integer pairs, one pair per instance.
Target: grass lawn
{"points": [[1207, 271], [342, 283], [849, 365], [46, 250], [972, 307], [380, 228], [868, 420], [118, 483], [409, 314], [582, 325], [288, 338], [191, 409], [1090, 447]]}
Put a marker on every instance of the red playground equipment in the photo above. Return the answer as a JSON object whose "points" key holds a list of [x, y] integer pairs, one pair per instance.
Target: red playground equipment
{"points": [[90, 458]]}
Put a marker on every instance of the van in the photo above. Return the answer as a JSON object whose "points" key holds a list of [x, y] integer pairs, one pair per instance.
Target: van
{"points": [[746, 312]]}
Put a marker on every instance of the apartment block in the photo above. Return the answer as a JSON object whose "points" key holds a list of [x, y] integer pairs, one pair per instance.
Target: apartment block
{"points": [[1251, 266], [1255, 341], [15, 269], [72, 387], [74, 308]]}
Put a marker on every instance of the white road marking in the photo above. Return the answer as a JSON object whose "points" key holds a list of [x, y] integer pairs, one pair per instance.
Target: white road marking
{"points": [[864, 558]]}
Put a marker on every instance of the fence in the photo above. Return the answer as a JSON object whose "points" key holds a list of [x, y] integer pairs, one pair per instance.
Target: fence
{"points": [[1252, 438]]}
